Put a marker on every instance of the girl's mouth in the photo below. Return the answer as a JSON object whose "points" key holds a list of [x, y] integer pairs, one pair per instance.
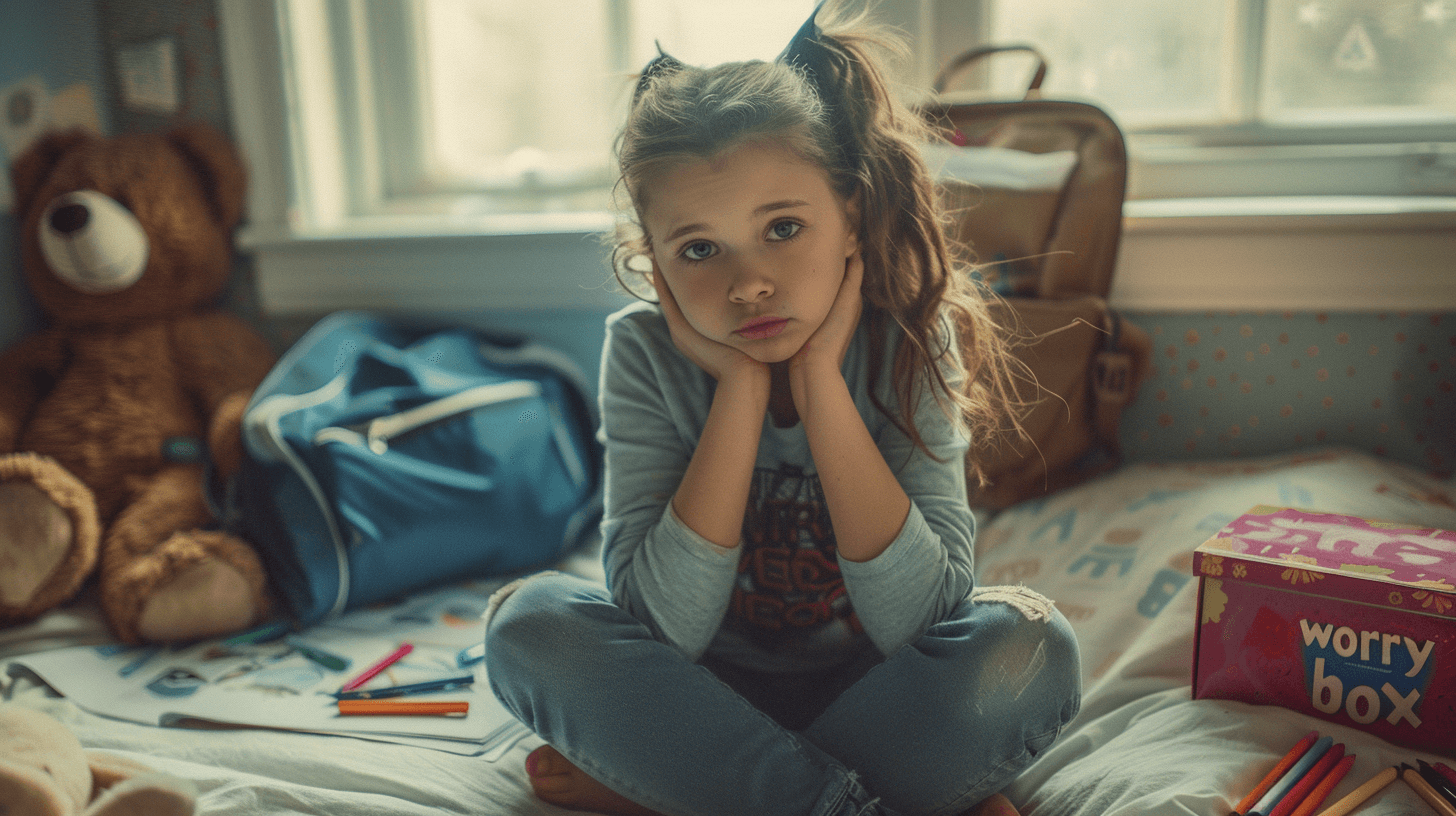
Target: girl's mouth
{"points": [[762, 327]]}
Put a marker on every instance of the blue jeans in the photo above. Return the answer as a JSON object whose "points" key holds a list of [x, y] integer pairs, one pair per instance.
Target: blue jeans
{"points": [[935, 728]]}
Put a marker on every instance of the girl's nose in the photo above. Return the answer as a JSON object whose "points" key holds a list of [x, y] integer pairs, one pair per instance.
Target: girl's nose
{"points": [[749, 285]]}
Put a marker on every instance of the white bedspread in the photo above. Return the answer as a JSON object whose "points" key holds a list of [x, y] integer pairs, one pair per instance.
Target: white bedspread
{"points": [[1114, 554]]}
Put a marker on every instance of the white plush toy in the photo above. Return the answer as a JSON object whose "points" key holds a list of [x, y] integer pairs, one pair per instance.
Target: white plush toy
{"points": [[44, 771]]}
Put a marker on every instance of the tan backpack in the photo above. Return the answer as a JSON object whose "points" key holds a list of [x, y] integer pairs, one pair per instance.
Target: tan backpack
{"points": [[1036, 188]]}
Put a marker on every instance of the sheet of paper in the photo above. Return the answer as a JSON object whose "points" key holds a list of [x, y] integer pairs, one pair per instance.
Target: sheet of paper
{"points": [[273, 685]]}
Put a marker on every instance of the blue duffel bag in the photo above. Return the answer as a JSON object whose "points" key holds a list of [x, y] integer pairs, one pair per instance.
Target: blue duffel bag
{"points": [[383, 458]]}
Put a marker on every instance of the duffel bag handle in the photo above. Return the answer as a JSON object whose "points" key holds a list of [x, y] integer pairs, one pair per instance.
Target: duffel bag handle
{"points": [[955, 66]]}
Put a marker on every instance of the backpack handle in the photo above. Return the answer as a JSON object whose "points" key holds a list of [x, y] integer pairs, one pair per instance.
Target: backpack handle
{"points": [[955, 66]]}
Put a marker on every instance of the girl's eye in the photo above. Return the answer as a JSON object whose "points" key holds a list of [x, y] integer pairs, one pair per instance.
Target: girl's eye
{"points": [[784, 230], [699, 251]]}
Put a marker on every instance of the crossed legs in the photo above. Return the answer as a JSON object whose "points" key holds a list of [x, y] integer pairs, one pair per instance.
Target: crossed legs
{"points": [[936, 728]]}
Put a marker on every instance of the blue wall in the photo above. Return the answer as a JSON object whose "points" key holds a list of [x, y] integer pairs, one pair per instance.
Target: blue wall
{"points": [[58, 41]]}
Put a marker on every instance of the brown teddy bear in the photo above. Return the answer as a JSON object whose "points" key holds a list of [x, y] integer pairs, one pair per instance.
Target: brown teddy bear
{"points": [[107, 414], [44, 771]]}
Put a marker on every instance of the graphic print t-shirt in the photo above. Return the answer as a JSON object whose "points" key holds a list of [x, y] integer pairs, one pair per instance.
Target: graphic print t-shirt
{"points": [[789, 594]]}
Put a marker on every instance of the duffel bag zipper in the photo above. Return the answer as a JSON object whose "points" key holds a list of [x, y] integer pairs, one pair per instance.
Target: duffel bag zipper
{"points": [[377, 434]]}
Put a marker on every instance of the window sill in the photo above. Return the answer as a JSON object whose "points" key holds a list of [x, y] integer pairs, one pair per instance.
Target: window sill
{"points": [[1273, 213], [511, 262], [1330, 253], [1326, 253]]}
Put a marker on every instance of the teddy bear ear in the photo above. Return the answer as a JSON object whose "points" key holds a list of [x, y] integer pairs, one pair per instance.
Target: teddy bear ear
{"points": [[29, 170], [218, 165]]}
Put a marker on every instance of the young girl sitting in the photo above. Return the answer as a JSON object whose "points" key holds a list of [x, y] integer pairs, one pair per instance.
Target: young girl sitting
{"points": [[788, 625]]}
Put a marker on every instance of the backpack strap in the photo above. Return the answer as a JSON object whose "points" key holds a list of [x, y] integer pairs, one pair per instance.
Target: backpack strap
{"points": [[960, 63], [1116, 371]]}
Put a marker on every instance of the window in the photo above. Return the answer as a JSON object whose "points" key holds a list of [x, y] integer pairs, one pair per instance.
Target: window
{"points": [[517, 102], [1258, 97], [468, 108], [1335, 65], [455, 120]]}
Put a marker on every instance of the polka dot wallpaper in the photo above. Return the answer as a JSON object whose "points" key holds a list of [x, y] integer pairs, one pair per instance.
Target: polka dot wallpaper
{"points": [[1232, 384]]}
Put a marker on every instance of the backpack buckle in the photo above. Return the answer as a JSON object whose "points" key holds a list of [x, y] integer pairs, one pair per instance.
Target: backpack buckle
{"points": [[1112, 377]]}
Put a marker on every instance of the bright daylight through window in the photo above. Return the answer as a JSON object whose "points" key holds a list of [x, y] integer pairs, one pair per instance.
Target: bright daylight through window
{"points": [[1335, 63], [475, 109]]}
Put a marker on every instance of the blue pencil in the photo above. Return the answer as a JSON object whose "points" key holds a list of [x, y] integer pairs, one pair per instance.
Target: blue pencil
{"points": [[1284, 785]]}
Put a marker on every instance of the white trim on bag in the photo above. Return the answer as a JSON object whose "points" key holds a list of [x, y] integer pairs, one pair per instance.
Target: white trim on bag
{"points": [[265, 422]]}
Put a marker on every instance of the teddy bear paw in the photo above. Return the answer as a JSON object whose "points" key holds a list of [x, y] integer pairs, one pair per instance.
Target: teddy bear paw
{"points": [[35, 535], [155, 795], [49, 535], [30, 791], [207, 599], [195, 584]]}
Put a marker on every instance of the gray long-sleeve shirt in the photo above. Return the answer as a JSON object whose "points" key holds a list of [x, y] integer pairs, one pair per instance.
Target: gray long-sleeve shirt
{"points": [[782, 600]]}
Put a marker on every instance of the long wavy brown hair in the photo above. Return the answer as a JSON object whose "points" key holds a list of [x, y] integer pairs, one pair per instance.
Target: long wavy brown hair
{"points": [[869, 144]]}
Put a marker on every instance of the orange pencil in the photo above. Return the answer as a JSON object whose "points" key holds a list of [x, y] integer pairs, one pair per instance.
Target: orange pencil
{"points": [[1437, 802], [1357, 797], [1296, 795], [1274, 776], [1317, 796], [404, 707]]}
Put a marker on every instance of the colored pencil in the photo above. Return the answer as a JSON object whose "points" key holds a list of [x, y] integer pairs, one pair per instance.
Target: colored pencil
{"points": [[1296, 795], [1317, 796], [438, 684], [261, 634], [1446, 771], [1276, 793], [318, 654], [1357, 797], [368, 674], [470, 655], [1438, 781], [1284, 764], [436, 707], [1412, 778]]}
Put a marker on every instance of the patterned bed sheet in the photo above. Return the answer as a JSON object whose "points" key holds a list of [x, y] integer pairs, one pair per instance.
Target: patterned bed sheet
{"points": [[1115, 556]]}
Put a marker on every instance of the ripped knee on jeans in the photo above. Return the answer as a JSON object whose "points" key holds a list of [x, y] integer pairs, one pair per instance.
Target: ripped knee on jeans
{"points": [[1032, 605], [499, 596]]}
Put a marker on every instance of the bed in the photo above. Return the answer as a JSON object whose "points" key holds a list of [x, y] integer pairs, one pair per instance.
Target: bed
{"points": [[1114, 553]]}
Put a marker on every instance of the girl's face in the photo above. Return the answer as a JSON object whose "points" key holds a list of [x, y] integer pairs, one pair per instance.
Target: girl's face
{"points": [[752, 243]]}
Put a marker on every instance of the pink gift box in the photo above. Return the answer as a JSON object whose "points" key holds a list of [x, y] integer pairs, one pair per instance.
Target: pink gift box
{"points": [[1338, 617]]}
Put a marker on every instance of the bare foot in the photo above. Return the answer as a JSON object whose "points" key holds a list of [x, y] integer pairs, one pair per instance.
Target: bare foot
{"points": [[994, 805], [556, 780]]}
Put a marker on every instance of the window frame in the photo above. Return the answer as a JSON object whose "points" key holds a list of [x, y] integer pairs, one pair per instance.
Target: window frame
{"points": [[303, 228]]}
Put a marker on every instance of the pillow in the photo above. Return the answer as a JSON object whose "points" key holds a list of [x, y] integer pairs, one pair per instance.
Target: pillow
{"points": [[1115, 553]]}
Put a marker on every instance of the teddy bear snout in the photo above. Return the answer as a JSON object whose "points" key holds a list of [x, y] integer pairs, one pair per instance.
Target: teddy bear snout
{"points": [[92, 242]]}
